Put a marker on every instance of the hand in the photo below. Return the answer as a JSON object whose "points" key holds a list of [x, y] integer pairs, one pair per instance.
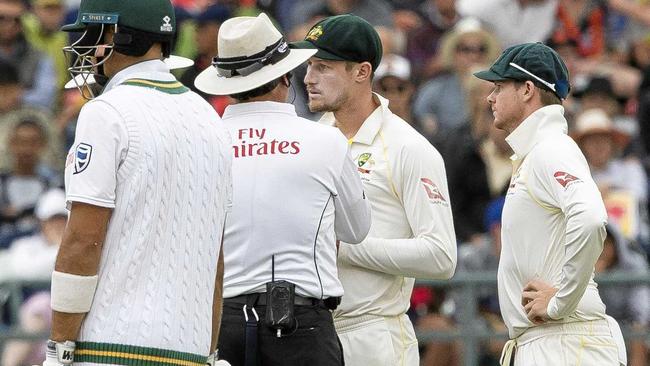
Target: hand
{"points": [[535, 298]]}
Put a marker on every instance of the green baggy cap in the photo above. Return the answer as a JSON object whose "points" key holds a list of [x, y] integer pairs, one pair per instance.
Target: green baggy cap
{"points": [[344, 38], [531, 61]]}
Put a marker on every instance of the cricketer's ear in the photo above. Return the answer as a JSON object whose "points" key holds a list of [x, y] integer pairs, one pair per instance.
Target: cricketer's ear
{"points": [[286, 80], [363, 72], [529, 89]]}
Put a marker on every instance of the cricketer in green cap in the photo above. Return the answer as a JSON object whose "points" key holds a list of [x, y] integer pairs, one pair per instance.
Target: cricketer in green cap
{"points": [[531, 61], [344, 38]]}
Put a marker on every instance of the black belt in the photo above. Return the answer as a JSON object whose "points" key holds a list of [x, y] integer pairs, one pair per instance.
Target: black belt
{"points": [[330, 303]]}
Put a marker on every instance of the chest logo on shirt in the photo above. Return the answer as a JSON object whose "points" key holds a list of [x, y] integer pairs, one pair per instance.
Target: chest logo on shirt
{"points": [[432, 191], [364, 163], [565, 178], [82, 157]]}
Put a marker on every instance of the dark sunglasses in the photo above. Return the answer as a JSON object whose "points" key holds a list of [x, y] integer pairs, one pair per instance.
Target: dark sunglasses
{"points": [[463, 48], [8, 18]]}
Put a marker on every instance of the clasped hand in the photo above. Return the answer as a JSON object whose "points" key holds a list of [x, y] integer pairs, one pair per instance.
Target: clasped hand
{"points": [[535, 298]]}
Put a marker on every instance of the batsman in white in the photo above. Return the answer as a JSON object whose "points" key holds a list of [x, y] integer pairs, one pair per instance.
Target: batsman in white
{"points": [[148, 184]]}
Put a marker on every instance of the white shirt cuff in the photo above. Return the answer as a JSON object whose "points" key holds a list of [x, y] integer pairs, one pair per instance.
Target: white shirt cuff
{"points": [[552, 310]]}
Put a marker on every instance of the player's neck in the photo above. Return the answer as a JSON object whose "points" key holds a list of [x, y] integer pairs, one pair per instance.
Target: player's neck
{"points": [[118, 62], [278, 94], [354, 112]]}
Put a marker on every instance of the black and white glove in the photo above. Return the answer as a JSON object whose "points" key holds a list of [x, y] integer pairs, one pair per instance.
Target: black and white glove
{"points": [[213, 360], [59, 353]]}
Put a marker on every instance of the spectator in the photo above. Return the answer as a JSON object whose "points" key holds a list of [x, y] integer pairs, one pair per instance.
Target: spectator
{"points": [[42, 30], [505, 17], [205, 36], [583, 22], [377, 12], [483, 256], [598, 93], [630, 305], [35, 70], [22, 185], [32, 257], [436, 353], [622, 181], [35, 318], [393, 81], [478, 164], [441, 104], [423, 43], [12, 111]]}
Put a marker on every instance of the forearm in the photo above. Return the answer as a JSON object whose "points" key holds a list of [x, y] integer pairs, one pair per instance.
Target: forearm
{"points": [[66, 326], [217, 302], [584, 243], [79, 255], [422, 257]]}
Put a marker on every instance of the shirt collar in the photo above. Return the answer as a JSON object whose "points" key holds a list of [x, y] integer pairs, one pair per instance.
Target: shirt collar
{"points": [[542, 123], [238, 109], [370, 127], [150, 70]]}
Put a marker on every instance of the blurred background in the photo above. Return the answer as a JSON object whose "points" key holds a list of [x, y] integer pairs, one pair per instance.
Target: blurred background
{"points": [[431, 49]]}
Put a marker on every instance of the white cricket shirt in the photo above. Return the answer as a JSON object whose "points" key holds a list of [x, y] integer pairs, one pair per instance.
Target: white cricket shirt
{"points": [[295, 192], [159, 155], [553, 223], [412, 233]]}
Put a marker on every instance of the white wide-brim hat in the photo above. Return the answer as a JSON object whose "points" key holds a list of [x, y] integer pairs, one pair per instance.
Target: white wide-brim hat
{"points": [[596, 121], [249, 42]]}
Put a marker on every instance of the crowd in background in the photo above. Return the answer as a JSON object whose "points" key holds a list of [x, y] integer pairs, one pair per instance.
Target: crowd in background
{"points": [[431, 48]]}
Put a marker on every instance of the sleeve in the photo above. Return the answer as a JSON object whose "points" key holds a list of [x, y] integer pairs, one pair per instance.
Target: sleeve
{"points": [[101, 143], [560, 178], [352, 209], [421, 184]]}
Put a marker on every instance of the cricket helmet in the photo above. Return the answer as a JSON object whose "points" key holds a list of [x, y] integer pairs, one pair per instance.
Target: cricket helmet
{"points": [[136, 26]]}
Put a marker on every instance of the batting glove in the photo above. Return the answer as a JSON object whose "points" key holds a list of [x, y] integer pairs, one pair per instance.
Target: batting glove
{"points": [[213, 360], [59, 353]]}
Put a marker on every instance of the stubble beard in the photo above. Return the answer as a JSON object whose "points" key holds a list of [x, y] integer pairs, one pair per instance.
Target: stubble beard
{"points": [[328, 107]]}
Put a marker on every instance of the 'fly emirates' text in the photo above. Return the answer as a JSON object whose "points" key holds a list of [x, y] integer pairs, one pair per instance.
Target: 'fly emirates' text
{"points": [[244, 148]]}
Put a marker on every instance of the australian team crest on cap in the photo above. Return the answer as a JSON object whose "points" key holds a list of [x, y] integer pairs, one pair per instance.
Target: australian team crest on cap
{"points": [[82, 157], [314, 33]]}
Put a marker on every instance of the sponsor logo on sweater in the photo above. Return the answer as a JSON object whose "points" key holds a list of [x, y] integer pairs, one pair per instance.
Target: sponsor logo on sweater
{"points": [[565, 179]]}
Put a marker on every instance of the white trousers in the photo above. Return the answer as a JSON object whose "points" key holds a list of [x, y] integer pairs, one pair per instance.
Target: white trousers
{"points": [[378, 341], [589, 343]]}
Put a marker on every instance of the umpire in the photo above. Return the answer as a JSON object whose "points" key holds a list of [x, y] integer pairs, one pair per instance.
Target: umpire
{"points": [[295, 192]]}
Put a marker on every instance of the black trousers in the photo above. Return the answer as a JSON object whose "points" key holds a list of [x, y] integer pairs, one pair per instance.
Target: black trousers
{"points": [[314, 342]]}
